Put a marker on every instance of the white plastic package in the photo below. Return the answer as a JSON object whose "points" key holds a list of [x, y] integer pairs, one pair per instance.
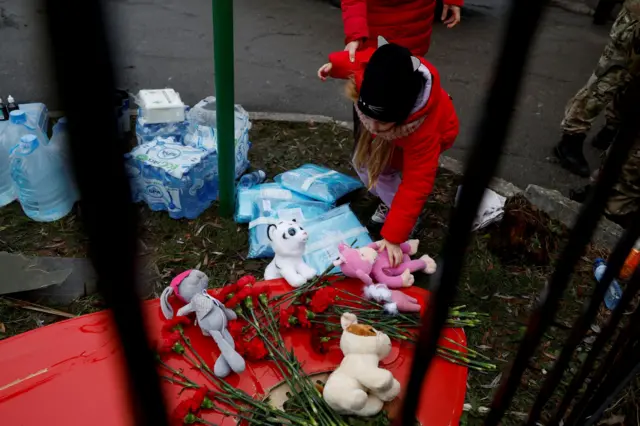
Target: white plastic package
{"points": [[269, 212], [319, 183], [327, 231], [267, 191], [161, 105]]}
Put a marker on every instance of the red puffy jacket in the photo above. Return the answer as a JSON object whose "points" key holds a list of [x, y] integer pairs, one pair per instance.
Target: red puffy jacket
{"points": [[404, 22], [416, 155]]}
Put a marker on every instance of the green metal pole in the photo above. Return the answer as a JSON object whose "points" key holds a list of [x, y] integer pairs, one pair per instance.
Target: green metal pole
{"points": [[223, 56]]}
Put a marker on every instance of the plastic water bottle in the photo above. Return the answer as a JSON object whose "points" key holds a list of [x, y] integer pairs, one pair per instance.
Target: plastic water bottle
{"points": [[614, 292], [7, 188], [43, 187], [252, 179], [19, 125], [60, 144]]}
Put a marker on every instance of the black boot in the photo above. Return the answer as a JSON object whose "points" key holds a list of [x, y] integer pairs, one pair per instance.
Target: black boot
{"points": [[569, 151], [604, 138]]}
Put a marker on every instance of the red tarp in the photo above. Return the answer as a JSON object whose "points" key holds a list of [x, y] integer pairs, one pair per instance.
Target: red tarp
{"points": [[71, 372]]}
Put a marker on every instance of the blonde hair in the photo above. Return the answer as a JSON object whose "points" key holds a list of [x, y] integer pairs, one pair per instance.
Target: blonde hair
{"points": [[370, 153]]}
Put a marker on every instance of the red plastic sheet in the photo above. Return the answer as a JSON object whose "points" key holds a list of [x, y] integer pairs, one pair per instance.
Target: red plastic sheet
{"points": [[71, 373]]}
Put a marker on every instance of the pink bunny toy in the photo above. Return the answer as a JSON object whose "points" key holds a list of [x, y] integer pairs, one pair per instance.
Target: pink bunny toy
{"points": [[370, 267], [394, 300]]}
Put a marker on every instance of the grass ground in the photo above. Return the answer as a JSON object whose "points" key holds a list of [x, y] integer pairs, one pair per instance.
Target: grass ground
{"points": [[506, 266]]}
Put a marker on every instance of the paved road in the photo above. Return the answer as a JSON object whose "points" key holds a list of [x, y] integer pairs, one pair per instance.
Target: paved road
{"points": [[281, 43]]}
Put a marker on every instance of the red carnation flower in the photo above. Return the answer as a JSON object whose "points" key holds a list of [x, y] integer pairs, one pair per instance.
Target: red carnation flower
{"points": [[222, 293], [166, 345], [185, 411], [319, 340], [199, 395], [173, 324], [303, 316], [236, 328], [256, 350], [323, 299], [287, 316], [239, 297], [246, 280]]}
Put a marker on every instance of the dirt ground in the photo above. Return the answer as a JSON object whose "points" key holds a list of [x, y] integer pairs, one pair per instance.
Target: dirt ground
{"points": [[506, 265]]}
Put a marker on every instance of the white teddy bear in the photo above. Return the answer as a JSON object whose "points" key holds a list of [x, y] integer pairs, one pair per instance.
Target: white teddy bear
{"points": [[358, 386], [288, 240]]}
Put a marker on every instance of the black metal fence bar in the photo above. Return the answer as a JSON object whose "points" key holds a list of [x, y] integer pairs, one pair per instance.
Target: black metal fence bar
{"points": [[614, 264], [580, 236], [489, 139], [608, 331], [629, 369], [84, 72], [611, 360]]}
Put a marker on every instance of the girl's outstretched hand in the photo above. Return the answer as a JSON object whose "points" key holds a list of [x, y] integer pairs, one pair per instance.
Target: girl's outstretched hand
{"points": [[324, 71], [394, 251]]}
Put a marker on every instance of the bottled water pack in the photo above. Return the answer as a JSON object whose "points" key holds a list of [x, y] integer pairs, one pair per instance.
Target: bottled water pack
{"points": [[272, 192], [169, 176], [319, 183], [20, 124], [327, 231], [146, 132], [270, 212], [44, 189], [202, 131]]}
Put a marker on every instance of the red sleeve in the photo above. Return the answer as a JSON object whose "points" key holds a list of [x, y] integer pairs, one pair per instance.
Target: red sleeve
{"points": [[459, 3], [354, 18], [343, 68], [420, 164]]}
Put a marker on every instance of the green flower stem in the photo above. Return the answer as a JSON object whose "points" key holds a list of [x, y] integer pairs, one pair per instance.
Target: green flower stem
{"points": [[179, 382], [176, 372], [471, 351], [469, 362], [302, 381], [277, 357], [204, 422]]}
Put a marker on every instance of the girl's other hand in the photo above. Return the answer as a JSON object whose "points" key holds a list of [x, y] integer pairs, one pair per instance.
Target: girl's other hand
{"points": [[324, 71], [352, 47], [454, 19], [393, 250]]}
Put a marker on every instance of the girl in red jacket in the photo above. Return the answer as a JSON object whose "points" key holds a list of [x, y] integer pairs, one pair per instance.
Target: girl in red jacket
{"points": [[407, 120], [404, 22]]}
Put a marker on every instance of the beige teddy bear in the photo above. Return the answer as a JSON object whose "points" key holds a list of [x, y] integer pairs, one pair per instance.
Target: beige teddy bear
{"points": [[358, 386]]}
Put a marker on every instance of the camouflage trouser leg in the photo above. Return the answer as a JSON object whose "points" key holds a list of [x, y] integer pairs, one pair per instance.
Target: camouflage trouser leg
{"points": [[625, 196], [616, 67]]}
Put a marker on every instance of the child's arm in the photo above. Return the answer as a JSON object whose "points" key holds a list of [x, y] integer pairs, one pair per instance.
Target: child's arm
{"points": [[420, 163], [340, 66]]}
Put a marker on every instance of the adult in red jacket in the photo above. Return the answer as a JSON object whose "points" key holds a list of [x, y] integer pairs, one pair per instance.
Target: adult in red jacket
{"points": [[404, 22], [409, 121]]}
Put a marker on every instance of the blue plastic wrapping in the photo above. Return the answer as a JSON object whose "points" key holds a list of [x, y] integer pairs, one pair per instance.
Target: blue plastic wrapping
{"points": [[319, 183], [270, 212], [170, 176], [327, 231], [273, 192]]}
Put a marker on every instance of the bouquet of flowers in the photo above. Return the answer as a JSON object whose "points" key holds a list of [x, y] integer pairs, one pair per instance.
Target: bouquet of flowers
{"points": [[258, 335]]}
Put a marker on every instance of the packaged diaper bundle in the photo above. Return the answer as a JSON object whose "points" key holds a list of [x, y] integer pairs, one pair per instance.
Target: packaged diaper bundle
{"points": [[327, 231], [170, 176], [269, 212], [319, 183], [266, 191]]}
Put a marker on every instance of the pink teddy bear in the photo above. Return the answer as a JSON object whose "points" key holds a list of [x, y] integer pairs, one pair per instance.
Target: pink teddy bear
{"points": [[371, 268]]}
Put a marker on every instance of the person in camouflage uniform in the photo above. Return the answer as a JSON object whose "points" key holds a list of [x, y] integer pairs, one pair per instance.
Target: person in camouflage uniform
{"points": [[619, 63]]}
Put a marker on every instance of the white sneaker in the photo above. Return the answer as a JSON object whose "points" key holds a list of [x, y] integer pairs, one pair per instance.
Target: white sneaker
{"points": [[381, 214]]}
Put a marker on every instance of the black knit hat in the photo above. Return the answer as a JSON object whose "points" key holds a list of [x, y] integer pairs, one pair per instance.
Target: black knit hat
{"points": [[390, 86]]}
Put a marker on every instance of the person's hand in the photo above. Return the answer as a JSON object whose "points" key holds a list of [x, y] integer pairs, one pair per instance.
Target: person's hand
{"points": [[394, 251], [454, 19], [324, 71], [352, 48]]}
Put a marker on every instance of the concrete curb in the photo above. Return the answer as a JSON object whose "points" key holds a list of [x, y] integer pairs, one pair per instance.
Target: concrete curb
{"points": [[552, 202]]}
